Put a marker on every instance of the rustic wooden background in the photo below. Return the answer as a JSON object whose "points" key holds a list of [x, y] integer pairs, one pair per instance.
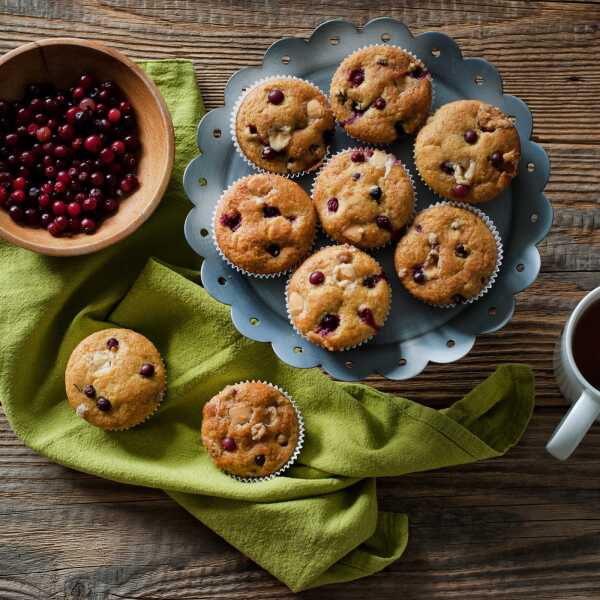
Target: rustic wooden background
{"points": [[523, 526]]}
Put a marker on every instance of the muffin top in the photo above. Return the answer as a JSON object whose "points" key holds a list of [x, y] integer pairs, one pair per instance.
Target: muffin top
{"points": [[284, 125], [447, 256], [381, 93], [364, 197], [468, 151], [115, 379], [338, 297], [265, 223], [250, 429]]}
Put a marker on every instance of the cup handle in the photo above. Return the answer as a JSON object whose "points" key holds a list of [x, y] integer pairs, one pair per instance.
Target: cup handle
{"points": [[573, 427]]}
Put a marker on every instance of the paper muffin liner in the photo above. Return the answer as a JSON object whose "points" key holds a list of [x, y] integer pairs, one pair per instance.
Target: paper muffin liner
{"points": [[433, 93], [240, 269], [499, 253], [300, 443], [364, 149], [289, 316], [233, 132]]}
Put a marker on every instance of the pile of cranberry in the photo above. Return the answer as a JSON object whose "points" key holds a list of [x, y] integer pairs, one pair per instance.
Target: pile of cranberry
{"points": [[67, 157]]}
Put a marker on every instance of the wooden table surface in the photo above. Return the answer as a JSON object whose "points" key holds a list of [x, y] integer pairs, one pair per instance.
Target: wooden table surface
{"points": [[523, 526]]}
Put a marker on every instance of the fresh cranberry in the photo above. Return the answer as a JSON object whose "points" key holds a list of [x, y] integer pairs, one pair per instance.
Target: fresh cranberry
{"points": [[43, 200], [59, 208], [88, 226], [93, 143], [97, 178], [370, 281], [17, 197], [89, 205], [114, 115], [275, 97], [54, 229], [16, 213], [118, 147], [74, 209], [317, 277], [268, 153], [131, 142], [43, 134], [274, 250], [328, 324], [366, 316], [86, 81], [32, 217], [332, 204], [379, 103], [461, 190], [129, 183], [110, 205], [228, 443], [60, 188], [87, 104], [107, 156], [357, 156], [356, 76], [419, 73], [45, 219], [470, 136], [19, 183], [78, 94], [3, 195]]}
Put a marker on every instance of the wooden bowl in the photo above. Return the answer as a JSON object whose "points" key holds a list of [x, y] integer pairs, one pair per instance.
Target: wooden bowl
{"points": [[61, 61]]}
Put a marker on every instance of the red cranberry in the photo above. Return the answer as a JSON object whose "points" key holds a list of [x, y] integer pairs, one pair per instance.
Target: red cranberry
{"points": [[93, 143], [383, 222], [103, 404], [366, 315], [114, 115], [43, 134], [110, 205], [447, 167], [147, 370], [131, 142], [129, 183], [461, 251], [17, 197], [470, 136], [372, 280], [87, 104], [32, 217], [497, 160], [461, 190], [59, 208], [228, 443], [97, 178], [275, 97], [16, 213], [86, 81], [379, 103], [74, 209], [19, 183], [419, 275], [3, 195], [112, 344], [43, 200], [260, 459], [332, 204], [357, 156], [78, 93], [107, 156], [233, 221], [268, 153], [12, 139], [270, 211], [356, 77], [60, 187], [274, 250], [328, 324], [88, 226], [89, 204], [118, 147], [61, 152], [70, 114], [54, 229], [45, 219], [317, 277]]}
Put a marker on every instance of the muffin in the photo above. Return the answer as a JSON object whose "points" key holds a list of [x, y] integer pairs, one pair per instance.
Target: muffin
{"points": [[381, 93], [264, 224], [251, 429], [338, 298], [448, 256], [468, 151], [284, 125], [115, 379], [364, 197]]}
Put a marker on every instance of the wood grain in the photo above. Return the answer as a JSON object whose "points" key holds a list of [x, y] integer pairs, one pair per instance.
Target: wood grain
{"points": [[516, 527]]}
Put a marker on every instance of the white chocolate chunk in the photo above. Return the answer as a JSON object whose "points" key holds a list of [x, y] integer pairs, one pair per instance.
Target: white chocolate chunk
{"points": [[314, 109], [240, 414], [102, 362], [81, 410], [341, 272], [464, 177], [280, 137], [457, 224], [354, 232], [379, 159], [432, 238]]}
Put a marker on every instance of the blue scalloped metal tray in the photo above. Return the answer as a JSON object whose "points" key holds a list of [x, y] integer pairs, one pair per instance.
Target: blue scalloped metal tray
{"points": [[415, 333]]}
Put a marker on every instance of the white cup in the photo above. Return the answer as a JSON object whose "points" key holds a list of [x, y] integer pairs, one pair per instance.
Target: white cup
{"points": [[584, 398]]}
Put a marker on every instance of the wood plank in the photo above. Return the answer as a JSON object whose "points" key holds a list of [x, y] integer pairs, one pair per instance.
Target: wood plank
{"points": [[524, 525]]}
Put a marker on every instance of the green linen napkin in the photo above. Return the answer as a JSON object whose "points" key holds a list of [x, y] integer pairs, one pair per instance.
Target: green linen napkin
{"points": [[318, 524]]}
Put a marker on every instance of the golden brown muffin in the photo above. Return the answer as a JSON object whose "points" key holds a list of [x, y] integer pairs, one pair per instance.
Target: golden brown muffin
{"points": [[339, 297], [264, 224], [364, 197], [250, 429], [468, 151], [284, 125], [115, 379], [447, 256], [381, 93]]}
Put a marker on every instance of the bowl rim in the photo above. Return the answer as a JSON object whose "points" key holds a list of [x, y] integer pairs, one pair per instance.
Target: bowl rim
{"points": [[88, 244]]}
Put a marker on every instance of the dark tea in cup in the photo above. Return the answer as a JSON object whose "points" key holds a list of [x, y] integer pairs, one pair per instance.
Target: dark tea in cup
{"points": [[586, 345]]}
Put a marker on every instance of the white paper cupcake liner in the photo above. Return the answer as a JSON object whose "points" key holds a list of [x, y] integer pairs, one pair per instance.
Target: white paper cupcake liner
{"points": [[289, 316], [233, 132], [433, 93], [240, 269], [499, 252], [301, 433], [363, 149]]}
